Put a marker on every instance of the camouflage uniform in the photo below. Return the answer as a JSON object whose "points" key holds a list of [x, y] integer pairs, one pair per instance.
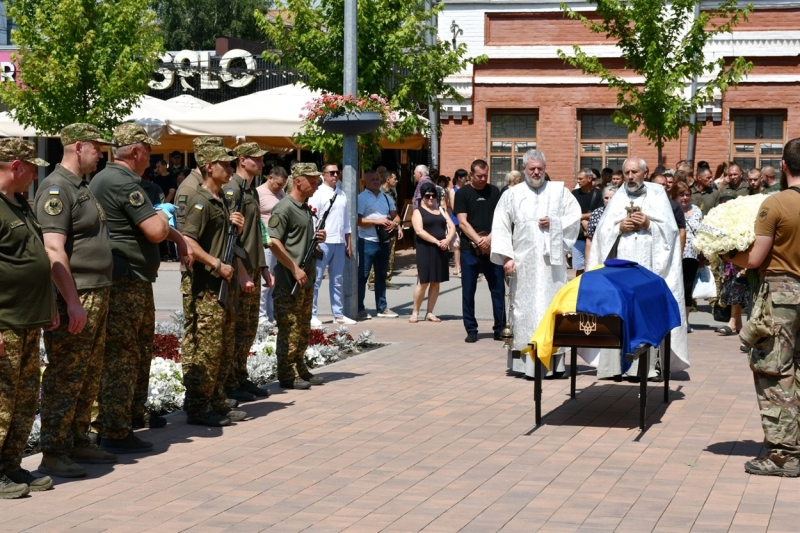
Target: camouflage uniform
{"points": [[207, 349], [26, 305], [773, 331], [130, 327], [292, 224], [252, 241], [72, 378], [293, 315]]}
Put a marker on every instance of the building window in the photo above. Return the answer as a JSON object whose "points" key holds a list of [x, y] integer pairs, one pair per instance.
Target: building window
{"points": [[758, 139], [603, 142], [510, 136]]}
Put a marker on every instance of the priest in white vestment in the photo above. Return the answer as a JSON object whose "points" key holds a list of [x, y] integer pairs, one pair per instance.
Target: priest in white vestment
{"points": [[535, 224], [651, 238]]}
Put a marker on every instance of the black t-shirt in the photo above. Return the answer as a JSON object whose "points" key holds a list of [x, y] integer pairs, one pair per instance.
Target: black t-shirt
{"points": [[589, 201], [479, 207], [166, 183], [677, 210]]}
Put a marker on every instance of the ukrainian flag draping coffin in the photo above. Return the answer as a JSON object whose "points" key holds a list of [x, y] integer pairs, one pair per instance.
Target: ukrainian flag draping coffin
{"points": [[623, 288]]}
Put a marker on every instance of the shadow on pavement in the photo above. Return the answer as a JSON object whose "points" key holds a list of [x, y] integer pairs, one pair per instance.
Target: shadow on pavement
{"points": [[745, 448]]}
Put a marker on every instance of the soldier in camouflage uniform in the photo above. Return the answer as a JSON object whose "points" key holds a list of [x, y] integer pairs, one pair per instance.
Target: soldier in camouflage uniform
{"points": [[135, 228], [207, 353], [26, 305], [77, 243], [249, 165], [773, 331], [291, 228], [183, 197]]}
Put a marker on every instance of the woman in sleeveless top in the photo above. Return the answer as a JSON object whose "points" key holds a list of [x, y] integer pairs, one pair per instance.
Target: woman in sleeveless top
{"points": [[434, 231]]}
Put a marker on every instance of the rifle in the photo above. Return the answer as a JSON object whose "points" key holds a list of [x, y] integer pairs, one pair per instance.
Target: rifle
{"points": [[313, 245], [230, 250]]}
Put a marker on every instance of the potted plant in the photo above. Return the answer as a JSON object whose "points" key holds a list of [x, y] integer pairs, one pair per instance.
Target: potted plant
{"points": [[348, 115]]}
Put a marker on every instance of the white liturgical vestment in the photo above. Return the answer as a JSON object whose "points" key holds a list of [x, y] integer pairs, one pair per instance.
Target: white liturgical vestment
{"points": [[539, 254], [658, 249]]}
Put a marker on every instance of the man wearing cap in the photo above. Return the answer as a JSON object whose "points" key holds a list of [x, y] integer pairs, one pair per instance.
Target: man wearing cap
{"points": [[250, 163], [291, 228], [135, 228], [336, 247], [27, 304], [77, 243], [207, 351]]}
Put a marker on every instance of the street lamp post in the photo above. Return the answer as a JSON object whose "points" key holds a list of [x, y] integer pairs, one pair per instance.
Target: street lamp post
{"points": [[350, 157]]}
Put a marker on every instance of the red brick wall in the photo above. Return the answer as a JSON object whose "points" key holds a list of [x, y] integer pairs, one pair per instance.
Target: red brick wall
{"points": [[558, 106], [537, 29]]}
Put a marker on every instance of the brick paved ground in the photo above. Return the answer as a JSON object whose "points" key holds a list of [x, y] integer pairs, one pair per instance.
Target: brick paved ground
{"points": [[430, 434]]}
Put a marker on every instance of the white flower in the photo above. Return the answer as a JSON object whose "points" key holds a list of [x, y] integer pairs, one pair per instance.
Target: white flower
{"points": [[727, 227]]}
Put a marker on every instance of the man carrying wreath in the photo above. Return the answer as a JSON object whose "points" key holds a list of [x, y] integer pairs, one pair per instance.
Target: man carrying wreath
{"points": [[773, 331]]}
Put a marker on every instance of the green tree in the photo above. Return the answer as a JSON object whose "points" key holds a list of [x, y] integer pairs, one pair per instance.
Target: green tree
{"points": [[80, 61], [663, 43], [395, 59], [195, 24]]}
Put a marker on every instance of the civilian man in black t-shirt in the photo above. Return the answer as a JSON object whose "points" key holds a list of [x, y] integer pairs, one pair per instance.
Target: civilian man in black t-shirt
{"points": [[474, 206], [677, 210], [589, 199], [166, 180]]}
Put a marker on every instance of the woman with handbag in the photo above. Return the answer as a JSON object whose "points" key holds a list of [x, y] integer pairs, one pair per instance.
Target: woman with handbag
{"points": [[434, 231], [690, 260]]}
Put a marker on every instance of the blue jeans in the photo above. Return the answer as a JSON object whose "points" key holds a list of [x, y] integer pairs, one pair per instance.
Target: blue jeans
{"points": [[371, 254], [471, 266], [333, 256]]}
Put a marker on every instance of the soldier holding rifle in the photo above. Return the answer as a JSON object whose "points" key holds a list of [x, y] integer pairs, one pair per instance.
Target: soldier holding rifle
{"points": [[291, 227], [207, 347]]}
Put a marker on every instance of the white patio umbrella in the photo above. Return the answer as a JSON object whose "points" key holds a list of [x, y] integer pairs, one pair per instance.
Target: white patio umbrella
{"points": [[11, 128]]}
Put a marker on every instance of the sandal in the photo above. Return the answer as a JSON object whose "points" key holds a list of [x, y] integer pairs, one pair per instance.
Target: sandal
{"points": [[726, 331], [413, 319], [456, 273], [432, 318]]}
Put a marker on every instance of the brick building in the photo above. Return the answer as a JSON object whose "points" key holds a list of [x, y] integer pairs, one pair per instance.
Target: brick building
{"points": [[526, 97]]}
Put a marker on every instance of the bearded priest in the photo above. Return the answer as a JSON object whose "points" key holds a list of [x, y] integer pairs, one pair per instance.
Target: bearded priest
{"points": [[638, 224], [535, 224]]}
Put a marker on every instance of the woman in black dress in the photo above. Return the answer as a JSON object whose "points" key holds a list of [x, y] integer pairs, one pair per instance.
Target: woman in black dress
{"points": [[434, 231]]}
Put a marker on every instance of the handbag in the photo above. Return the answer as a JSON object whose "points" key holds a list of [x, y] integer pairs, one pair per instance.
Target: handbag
{"points": [[704, 288], [719, 312], [384, 236]]}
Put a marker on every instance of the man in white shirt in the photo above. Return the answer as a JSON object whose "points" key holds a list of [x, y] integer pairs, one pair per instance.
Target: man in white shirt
{"points": [[337, 244]]}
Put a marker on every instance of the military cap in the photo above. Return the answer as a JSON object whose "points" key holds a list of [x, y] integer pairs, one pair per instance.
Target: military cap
{"points": [[13, 148], [305, 169], [131, 133], [200, 142], [209, 153], [81, 132], [249, 150]]}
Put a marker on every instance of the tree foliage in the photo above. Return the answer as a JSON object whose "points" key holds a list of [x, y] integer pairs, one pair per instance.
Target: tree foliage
{"points": [[663, 43], [395, 59], [80, 61], [195, 24]]}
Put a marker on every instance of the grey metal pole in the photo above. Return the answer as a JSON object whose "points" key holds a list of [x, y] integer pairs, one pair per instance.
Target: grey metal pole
{"points": [[690, 149], [433, 114], [350, 158]]}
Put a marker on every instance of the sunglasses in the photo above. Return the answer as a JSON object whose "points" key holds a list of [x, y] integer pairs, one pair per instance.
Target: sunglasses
{"points": [[429, 196], [332, 172]]}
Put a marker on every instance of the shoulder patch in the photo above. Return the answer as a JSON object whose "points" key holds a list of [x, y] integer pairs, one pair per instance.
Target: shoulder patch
{"points": [[182, 198], [229, 192], [136, 198], [53, 206], [273, 222], [54, 190], [83, 198], [199, 207], [762, 214], [16, 224]]}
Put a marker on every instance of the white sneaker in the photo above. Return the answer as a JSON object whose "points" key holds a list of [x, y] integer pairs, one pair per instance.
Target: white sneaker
{"points": [[316, 322], [345, 320], [387, 313]]}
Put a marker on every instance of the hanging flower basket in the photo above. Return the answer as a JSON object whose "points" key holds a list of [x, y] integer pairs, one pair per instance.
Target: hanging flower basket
{"points": [[352, 123]]}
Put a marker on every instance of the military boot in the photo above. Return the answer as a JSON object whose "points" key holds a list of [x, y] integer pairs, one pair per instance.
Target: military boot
{"points": [[149, 421], [775, 463], [61, 466], [129, 444], [209, 418], [234, 416], [35, 484], [314, 380], [92, 455], [252, 388], [10, 490], [240, 395], [296, 383]]}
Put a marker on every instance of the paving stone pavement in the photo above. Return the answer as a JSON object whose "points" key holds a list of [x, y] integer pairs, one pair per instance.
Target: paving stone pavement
{"points": [[430, 434]]}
